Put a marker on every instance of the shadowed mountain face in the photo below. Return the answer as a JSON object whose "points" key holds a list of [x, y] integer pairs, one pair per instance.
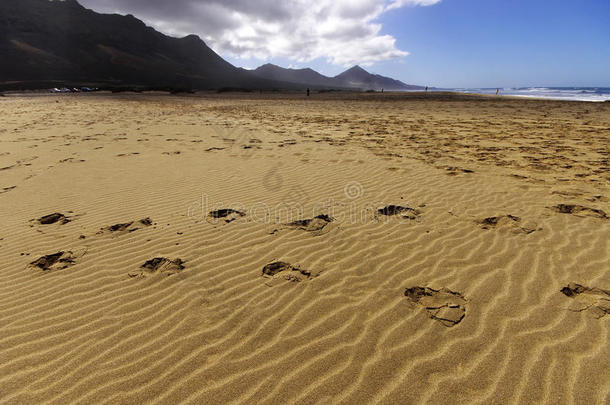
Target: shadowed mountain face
{"points": [[305, 76], [46, 43], [354, 78], [360, 78]]}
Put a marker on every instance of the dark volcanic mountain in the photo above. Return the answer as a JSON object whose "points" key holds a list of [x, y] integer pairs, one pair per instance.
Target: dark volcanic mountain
{"points": [[47, 42], [303, 76], [354, 78], [360, 78]]}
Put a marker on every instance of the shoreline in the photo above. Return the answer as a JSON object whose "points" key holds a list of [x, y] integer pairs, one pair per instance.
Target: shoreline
{"points": [[323, 95]]}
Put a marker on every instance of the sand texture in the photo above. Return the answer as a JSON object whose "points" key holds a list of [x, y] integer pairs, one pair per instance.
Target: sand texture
{"points": [[274, 249]]}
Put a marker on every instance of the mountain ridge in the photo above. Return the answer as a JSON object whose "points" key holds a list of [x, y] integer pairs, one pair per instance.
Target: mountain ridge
{"points": [[354, 78], [62, 41], [52, 43]]}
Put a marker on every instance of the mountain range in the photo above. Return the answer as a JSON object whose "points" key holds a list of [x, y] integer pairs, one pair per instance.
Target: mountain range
{"points": [[46, 43], [354, 78]]}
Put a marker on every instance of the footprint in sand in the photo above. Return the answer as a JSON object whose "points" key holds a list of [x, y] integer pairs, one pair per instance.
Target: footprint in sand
{"points": [[227, 214], [57, 261], [579, 210], [597, 198], [159, 265], [286, 271], [446, 306], [396, 210], [128, 226], [508, 221], [594, 300], [7, 167], [53, 219], [7, 189], [454, 171], [314, 225]]}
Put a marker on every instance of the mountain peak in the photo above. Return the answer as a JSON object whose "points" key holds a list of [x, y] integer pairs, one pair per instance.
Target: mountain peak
{"points": [[355, 69], [192, 38], [271, 66], [268, 66], [66, 3], [302, 76], [354, 74], [357, 77]]}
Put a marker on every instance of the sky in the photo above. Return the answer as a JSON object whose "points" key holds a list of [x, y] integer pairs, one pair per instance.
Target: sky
{"points": [[441, 43]]}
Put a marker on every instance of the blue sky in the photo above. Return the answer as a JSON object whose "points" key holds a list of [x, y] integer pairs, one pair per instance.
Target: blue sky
{"points": [[442, 43], [493, 43], [503, 43]]}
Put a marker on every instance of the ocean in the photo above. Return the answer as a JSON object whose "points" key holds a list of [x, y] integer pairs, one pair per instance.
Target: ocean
{"points": [[594, 94]]}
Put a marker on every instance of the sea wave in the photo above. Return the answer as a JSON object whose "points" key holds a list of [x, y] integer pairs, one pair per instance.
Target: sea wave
{"points": [[593, 94]]}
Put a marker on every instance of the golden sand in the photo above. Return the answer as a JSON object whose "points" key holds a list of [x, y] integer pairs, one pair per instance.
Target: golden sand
{"points": [[394, 249]]}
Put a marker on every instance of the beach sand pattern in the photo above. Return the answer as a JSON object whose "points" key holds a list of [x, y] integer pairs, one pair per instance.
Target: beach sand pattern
{"points": [[271, 249]]}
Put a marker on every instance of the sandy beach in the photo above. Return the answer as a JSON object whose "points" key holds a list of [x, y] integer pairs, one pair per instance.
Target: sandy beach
{"points": [[346, 248]]}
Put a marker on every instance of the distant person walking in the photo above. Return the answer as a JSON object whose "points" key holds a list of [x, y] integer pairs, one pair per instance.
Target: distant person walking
{"points": [[426, 89], [497, 92], [308, 92]]}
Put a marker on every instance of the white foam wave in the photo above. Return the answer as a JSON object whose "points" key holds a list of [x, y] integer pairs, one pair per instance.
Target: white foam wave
{"points": [[575, 94]]}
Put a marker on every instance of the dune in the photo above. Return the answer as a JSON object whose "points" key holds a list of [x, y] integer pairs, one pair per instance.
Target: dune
{"points": [[342, 248]]}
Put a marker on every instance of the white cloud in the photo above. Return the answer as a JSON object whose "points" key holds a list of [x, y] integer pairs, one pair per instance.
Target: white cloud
{"points": [[401, 3], [344, 32]]}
